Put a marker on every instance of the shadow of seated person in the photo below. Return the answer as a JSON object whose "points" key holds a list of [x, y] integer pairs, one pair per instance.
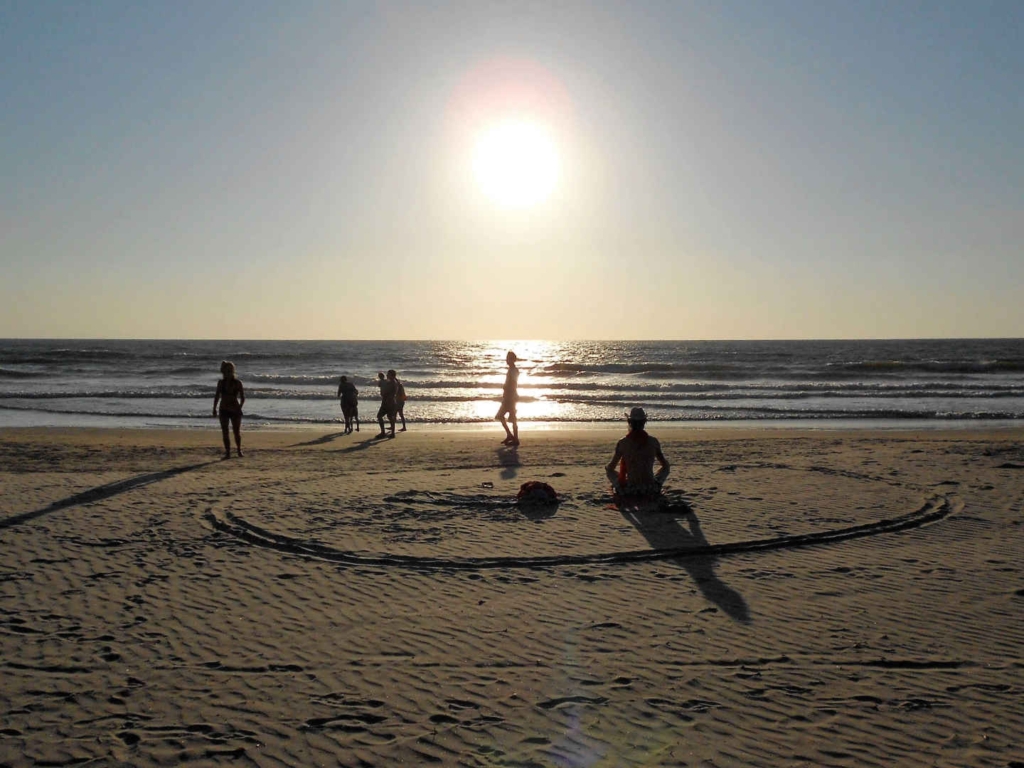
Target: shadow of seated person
{"points": [[660, 522]]}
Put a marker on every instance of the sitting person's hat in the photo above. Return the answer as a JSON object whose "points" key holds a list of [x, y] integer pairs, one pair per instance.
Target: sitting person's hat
{"points": [[637, 414]]}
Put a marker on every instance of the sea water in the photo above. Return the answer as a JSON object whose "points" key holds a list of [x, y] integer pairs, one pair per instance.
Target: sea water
{"points": [[135, 383]]}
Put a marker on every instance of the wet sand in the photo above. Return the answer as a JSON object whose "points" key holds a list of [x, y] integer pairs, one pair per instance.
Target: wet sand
{"points": [[841, 598]]}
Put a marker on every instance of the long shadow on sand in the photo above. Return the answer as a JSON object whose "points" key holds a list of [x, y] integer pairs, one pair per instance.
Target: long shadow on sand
{"points": [[362, 446], [663, 530], [101, 492], [320, 440]]}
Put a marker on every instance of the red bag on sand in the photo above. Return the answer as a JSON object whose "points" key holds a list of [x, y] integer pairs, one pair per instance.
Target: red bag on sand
{"points": [[536, 492]]}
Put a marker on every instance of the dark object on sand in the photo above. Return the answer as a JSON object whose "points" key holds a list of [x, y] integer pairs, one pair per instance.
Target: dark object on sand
{"points": [[536, 492]]}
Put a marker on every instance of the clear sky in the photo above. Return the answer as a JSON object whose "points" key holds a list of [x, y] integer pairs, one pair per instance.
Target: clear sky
{"points": [[704, 170]]}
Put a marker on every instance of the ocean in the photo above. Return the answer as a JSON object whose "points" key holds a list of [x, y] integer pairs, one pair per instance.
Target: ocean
{"points": [[954, 382]]}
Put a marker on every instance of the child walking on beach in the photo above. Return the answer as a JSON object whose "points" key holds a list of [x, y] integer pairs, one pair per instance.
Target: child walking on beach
{"points": [[231, 396]]}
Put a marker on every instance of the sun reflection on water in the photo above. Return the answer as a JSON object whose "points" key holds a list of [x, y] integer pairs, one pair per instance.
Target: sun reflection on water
{"points": [[533, 358]]}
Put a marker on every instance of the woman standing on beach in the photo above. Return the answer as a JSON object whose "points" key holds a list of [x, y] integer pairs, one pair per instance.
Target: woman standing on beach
{"points": [[231, 396]]}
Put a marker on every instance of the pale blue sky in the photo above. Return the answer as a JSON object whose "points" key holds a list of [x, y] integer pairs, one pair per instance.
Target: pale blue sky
{"points": [[299, 170]]}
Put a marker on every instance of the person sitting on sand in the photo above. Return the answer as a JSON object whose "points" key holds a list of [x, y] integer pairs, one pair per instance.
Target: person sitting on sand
{"points": [[349, 403], [231, 396], [509, 397], [631, 470], [388, 405]]}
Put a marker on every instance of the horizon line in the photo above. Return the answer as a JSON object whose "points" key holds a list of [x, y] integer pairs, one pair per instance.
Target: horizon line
{"points": [[514, 340]]}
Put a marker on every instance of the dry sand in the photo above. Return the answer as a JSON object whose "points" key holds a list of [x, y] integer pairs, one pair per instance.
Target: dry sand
{"points": [[830, 598]]}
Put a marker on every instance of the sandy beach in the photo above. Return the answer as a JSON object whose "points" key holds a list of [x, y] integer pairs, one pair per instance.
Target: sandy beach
{"points": [[839, 598]]}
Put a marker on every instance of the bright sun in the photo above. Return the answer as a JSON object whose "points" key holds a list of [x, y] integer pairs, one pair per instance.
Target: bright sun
{"points": [[516, 164]]}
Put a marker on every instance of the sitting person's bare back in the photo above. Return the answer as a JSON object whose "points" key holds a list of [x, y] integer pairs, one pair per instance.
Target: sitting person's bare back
{"points": [[631, 470]]}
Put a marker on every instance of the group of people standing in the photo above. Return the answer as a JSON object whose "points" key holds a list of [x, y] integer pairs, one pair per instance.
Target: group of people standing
{"points": [[231, 397], [392, 402], [393, 397], [631, 470]]}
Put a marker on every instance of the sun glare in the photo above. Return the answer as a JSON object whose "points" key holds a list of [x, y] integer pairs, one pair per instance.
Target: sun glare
{"points": [[516, 164]]}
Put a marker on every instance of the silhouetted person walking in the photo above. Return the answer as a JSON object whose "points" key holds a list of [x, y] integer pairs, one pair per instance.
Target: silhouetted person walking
{"points": [[349, 396], [388, 405], [231, 396], [400, 401], [509, 398]]}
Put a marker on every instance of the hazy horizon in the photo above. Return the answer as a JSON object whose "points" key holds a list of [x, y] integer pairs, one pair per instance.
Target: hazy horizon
{"points": [[506, 341], [726, 170]]}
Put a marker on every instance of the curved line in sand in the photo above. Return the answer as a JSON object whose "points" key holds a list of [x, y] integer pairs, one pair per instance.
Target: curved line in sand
{"points": [[933, 510]]}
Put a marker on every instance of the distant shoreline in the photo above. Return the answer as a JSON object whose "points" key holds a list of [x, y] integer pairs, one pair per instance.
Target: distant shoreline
{"points": [[530, 431], [737, 425]]}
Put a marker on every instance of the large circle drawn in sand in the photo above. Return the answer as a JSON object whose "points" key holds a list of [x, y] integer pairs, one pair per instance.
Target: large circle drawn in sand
{"points": [[738, 508]]}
